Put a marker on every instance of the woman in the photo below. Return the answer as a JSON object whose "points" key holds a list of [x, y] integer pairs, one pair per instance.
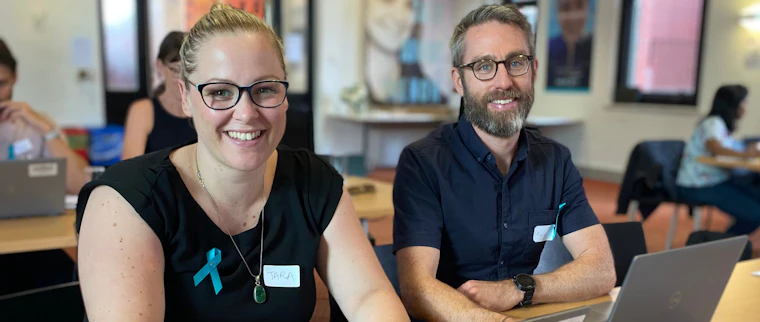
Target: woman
{"points": [[231, 227], [156, 123], [389, 26], [701, 183]]}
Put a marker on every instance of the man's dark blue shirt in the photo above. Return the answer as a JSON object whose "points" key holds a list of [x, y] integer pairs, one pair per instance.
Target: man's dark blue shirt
{"points": [[450, 195]]}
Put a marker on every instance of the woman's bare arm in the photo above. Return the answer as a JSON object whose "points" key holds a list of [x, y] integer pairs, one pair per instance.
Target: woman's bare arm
{"points": [[349, 267], [121, 261]]}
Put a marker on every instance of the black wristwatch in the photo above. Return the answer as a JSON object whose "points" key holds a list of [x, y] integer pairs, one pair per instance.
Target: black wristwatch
{"points": [[527, 284]]}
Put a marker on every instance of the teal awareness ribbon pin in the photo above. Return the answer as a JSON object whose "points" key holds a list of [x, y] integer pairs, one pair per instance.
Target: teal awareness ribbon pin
{"points": [[553, 230], [214, 257]]}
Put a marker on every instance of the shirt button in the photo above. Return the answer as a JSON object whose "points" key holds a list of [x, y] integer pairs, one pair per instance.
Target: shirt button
{"points": [[480, 159], [501, 262], [506, 226], [488, 157]]}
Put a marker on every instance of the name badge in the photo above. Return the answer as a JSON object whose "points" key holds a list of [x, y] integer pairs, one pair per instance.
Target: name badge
{"points": [[41, 170], [543, 233], [22, 146], [282, 276]]}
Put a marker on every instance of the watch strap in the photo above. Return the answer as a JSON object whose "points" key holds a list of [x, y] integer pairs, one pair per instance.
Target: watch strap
{"points": [[527, 290], [528, 297]]}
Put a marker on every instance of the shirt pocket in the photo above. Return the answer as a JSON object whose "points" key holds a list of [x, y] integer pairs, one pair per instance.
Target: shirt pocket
{"points": [[537, 218]]}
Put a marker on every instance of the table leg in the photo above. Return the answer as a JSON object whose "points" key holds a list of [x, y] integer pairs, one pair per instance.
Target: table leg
{"points": [[365, 225], [365, 148]]}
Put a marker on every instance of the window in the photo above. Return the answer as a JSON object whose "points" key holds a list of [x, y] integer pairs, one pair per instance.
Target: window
{"points": [[660, 51], [120, 45], [530, 9]]}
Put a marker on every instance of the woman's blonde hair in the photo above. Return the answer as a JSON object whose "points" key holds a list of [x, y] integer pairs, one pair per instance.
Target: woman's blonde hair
{"points": [[223, 19]]}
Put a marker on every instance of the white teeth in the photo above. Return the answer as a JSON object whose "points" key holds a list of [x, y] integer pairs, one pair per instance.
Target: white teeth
{"points": [[507, 101], [244, 136]]}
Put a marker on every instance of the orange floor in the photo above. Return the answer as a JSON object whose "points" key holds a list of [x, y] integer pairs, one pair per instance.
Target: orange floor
{"points": [[603, 199]]}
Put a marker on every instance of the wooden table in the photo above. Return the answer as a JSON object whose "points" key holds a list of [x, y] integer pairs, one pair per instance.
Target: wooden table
{"points": [[732, 163], [740, 300], [371, 206], [57, 232], [37, 233]]}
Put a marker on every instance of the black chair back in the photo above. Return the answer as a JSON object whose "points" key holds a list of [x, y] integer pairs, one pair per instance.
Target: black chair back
{"points": [[61, 302], [664, 158], [704, 236], [626, 241], [650, 176]]}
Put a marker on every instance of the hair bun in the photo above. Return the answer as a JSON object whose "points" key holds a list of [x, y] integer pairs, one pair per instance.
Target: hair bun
{"points": [[221, 6]]}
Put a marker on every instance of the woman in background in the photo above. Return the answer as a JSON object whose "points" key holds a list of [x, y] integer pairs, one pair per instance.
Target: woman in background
{"points": [[156, 123], [702, 183], [230, 228]]}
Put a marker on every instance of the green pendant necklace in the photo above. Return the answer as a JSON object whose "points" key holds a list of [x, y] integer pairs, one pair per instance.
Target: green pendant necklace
{"points": [[259, 293]]}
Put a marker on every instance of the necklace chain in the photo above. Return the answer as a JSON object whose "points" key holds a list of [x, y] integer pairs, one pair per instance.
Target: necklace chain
{"points": [[257, 278]]}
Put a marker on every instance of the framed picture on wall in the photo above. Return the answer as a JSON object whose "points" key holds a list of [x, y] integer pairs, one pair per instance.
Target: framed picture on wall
{"points": [[571, 39], [165, 16], [195, 9], [407, 59]]}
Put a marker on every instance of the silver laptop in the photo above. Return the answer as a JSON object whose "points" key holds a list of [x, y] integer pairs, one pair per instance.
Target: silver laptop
{"points": [[32, 187], [683, 284], [572, 315]]}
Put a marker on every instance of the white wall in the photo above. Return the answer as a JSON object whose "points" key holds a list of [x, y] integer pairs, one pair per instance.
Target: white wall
{"points": [[338, 57], [609, 130], [339, 63], [40, 34]]}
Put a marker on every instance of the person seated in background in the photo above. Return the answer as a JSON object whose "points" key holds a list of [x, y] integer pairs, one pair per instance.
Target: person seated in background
{"points": [[26, 134], [475, 201], [230, 228], [701, 183], [156, 123]]}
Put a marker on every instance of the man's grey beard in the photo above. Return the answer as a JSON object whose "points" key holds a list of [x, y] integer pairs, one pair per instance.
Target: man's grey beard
{"points": [[500, 124]]}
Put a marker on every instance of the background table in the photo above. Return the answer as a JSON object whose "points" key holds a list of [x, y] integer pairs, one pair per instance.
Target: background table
{"points": [[20, 235], [732, 163], [371, 206]]}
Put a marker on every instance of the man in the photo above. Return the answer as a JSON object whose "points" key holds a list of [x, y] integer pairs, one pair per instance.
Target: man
{"points": [[570, 51], [476, 201], [25, 134]]}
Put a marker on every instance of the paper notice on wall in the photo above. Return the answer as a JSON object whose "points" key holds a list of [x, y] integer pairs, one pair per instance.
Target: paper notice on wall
{"points": [[81, 52], [294, 48]]}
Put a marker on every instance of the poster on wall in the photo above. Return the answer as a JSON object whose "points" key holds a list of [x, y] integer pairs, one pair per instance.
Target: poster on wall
{"points": [[407, 59], [197, 8], [571, 38]]}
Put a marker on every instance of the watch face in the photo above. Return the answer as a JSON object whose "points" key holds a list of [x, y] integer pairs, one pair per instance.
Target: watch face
{"points": [[525, 280]]}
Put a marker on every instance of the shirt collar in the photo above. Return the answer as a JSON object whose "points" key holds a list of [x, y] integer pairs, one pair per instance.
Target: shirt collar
{"points": [[479, 150]]}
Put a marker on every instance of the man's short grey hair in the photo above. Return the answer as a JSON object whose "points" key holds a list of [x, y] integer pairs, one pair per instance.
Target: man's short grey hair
{"points": [[504, 13]]}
